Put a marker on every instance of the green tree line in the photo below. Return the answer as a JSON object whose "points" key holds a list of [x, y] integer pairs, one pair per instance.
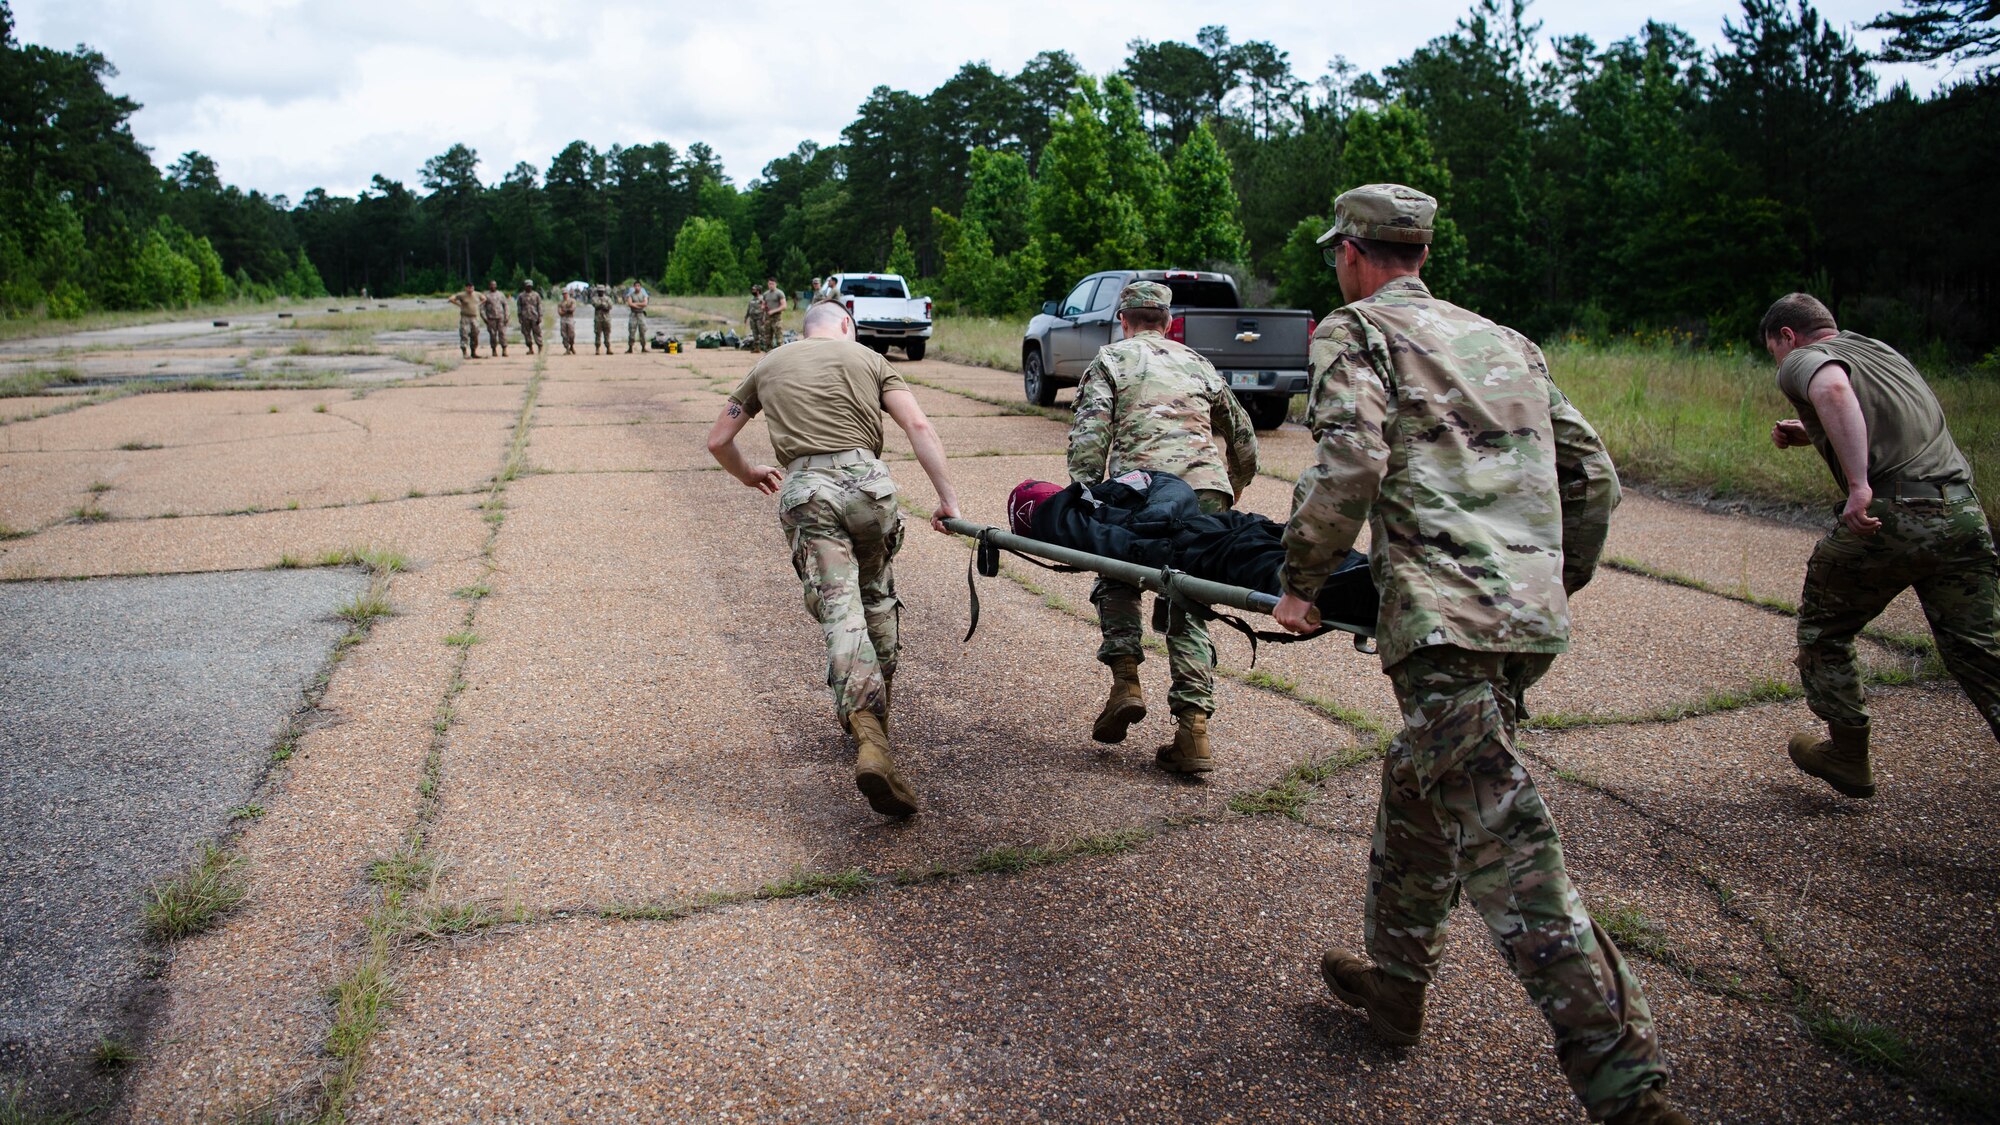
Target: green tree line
{"points": [[1640, 185]]}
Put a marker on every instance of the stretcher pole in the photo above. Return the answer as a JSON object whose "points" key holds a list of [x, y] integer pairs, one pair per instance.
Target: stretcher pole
{"points": [[1132, 574]]}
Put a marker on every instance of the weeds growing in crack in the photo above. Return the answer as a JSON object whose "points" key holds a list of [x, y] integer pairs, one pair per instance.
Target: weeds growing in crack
{"points": [[464, 639], [1633, 931], [89, 513], [1287, 799], [140, 446], [800, 883], [1906, 644], [1861, 1041], [474, 592], [112, 1054], [364, 608], [7, 532], [196, 899]]}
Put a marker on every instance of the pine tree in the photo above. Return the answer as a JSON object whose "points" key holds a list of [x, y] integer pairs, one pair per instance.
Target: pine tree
{"points": [[1083, 223], [1201, 226], [1392, 146], [902, 260], [1137, 171]]}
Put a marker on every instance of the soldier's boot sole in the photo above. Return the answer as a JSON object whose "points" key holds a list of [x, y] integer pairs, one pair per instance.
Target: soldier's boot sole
{"points": [[1837, 761], [1358, 984]]}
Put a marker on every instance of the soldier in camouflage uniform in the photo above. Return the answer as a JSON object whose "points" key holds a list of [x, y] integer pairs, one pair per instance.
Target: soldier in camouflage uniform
{"points": [[468, 303], [1488, 497], [1148, 403], [493, 309], [566, 322], [1911, 519], [635, 318], [600, 318], [775, 305], [753, 319], [823, 403], [528, 303]]}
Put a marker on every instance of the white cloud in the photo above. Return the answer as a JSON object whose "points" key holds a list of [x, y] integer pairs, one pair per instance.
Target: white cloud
{"points": [[287, 95]]}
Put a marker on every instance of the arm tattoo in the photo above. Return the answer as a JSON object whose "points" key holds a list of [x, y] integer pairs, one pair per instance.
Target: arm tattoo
{"points": [[735, 411]]}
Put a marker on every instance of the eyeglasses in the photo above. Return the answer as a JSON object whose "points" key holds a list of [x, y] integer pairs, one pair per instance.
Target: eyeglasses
{"points": [[1332, 253]]}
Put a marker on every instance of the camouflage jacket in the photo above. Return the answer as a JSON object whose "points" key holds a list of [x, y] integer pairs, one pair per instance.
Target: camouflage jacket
{"points": [[1150, 403], [1487, 493], [600, 305], [493, 305], [566, 308], [528, 304]]}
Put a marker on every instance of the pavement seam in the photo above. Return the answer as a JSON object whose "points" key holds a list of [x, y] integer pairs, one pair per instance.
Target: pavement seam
{"points": [[407, 907], [1908, 644]]}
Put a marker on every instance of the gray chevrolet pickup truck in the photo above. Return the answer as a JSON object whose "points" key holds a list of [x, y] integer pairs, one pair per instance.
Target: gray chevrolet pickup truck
{"points": [[1261, 353]]}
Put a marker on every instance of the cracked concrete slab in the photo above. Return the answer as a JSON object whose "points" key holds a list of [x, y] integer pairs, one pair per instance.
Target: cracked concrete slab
{"points": [[137, 714], [1176, 982]]}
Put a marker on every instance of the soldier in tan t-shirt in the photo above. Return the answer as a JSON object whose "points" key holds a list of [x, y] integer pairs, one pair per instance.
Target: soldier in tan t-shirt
{"points": [[822, 399], [1910, 519]]}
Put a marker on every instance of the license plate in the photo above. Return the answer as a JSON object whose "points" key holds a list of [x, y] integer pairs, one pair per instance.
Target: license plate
{"points": [[1243, 380]]}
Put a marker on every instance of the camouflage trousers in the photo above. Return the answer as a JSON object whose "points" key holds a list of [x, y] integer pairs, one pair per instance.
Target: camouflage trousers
{"points": [[531, 332], [635, 330], [600, 331], [496, 333], [468, 335], [1190, 654], [1944, 548], [756, 327], [773, 331], [845, 529], [1459, 813], [566, 325]]}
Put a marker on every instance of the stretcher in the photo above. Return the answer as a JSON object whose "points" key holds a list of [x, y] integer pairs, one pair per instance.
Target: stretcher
{"points": [[1183, 591]]}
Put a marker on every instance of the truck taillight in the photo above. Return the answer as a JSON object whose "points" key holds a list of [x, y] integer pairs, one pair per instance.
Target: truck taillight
{"points": [[850, 306], [927, 310], [1177, 329], [1311, 327]]}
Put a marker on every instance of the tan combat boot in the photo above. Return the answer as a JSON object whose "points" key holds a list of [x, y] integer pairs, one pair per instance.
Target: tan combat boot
{"points": [[1126, 705], [1840, 760], [874, 770], [1650, 1108], [1188, 752], [1395, 1007]]}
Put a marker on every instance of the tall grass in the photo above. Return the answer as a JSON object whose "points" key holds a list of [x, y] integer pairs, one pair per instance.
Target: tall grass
{"points": [[360, 327], [1687, 419]]}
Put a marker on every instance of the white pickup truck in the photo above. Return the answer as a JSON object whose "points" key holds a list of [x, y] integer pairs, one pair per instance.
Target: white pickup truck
{"points": [[885, 315]]}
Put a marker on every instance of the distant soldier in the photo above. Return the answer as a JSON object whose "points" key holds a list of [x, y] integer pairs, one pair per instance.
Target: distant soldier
{"points": [[1488, 498], [1147, 403], [775, 304], [600, 318], [528, 304], [829, 290], [468, 303], [566, 322], [635, 318], [493, 307], [753, 319], [812, 290], [1911, 519], [823, 401]]}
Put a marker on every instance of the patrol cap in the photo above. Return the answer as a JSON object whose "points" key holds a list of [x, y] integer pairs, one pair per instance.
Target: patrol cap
{"points": [[1145, 295], [1383, 212]]}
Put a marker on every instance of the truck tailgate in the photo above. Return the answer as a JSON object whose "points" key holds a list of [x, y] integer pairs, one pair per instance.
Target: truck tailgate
{"points": [[1259, 339]]}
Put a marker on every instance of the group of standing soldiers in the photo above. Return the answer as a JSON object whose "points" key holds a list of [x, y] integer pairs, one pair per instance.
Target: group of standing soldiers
{"points": [[765, 315], [490, 308]]}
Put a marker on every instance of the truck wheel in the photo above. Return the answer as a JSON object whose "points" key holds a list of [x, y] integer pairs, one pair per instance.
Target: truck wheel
{"points": [[914, 348], [1035, 382], [1267, 412], [881, 347]]}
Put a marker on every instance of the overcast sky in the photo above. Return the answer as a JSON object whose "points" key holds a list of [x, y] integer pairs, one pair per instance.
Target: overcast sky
{"points": [[287, 95]]}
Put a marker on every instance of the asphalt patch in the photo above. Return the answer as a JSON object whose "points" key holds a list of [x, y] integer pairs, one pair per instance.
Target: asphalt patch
{"points": [[135, 714]]}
